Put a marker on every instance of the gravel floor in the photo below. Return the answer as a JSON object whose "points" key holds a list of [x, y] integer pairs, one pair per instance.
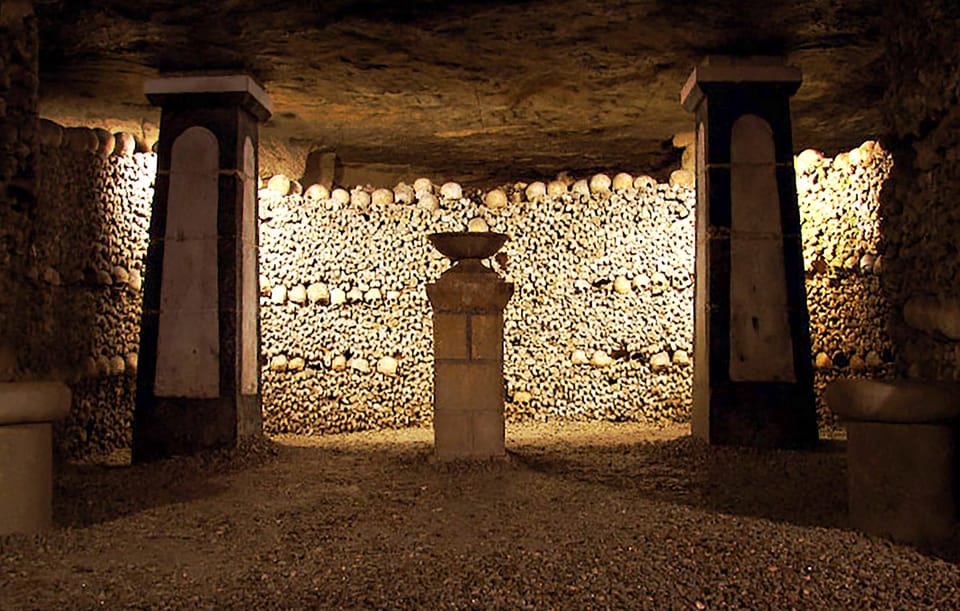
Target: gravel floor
{"points": [[582, 516]]}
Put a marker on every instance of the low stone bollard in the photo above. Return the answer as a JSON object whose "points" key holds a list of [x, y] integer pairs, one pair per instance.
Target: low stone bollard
{"points": [[26, 454], [902, 456]]}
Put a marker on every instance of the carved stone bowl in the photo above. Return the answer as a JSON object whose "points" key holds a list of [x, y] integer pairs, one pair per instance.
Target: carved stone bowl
{"points": [[459, 245]]}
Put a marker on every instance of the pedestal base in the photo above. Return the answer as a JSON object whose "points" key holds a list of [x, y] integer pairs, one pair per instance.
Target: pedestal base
{"points": [[902, 479], [173, 427], [903, 464], [758, 415], [26, 453], [26, 478], [471, 435]]}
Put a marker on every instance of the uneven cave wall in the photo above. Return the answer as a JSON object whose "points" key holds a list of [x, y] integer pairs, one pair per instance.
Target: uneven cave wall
{"points": [[920, 208], [18, 132], [600, 325]]}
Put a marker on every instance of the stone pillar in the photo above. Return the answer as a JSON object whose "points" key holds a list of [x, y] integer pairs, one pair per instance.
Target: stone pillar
{"points": [[753, 378], [468, 302], [198, 381]]}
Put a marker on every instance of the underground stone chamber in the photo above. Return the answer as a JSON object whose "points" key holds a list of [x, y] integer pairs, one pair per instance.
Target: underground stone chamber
{"points": [[600, 325]]}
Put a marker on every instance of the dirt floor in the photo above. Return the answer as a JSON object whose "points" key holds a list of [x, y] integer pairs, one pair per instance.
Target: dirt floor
{"points": [[581, 516]]}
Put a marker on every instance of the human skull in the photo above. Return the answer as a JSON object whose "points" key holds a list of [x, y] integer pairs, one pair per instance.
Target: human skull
{"points": [[658, 283]]}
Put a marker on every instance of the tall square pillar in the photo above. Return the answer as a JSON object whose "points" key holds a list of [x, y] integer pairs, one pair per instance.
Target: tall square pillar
{"points": [[753, 377], [198, 380], [468, 301]]}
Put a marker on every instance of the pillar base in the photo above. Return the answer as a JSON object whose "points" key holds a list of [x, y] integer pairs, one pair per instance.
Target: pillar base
{"points": [[173, 427], [468, 435], [759, 415]]}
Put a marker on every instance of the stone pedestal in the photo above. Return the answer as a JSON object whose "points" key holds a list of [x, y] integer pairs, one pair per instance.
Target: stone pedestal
{"points": [[198, 381], [468, 302], [26, 454], [753, 379]]}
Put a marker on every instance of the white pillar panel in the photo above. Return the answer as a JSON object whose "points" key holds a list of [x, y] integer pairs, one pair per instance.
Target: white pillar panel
{"points": [[188, 337], [761, 347]]}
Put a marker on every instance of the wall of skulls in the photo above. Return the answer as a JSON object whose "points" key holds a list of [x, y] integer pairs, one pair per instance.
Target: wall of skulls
{"points": [[90, 238], [599, 327]]}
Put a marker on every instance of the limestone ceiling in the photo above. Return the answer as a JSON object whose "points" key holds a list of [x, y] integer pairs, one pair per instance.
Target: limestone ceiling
{"points": [[475, 90]]}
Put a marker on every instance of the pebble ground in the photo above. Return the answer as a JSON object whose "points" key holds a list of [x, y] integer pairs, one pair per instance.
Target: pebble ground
{"points": [[583, 516]]}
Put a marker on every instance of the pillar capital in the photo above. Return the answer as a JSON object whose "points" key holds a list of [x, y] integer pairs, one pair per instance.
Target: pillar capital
{"points": [[725, 71], [469, 292], [206, 91]]}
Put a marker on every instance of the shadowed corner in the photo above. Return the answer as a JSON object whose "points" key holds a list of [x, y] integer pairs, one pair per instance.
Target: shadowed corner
{"points": [[797, 487], [108, 487], [804, 488]]}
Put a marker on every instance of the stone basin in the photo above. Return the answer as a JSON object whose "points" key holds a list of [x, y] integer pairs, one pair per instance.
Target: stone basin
{"points": [[900, 401], [31, 402], [458, 245]]}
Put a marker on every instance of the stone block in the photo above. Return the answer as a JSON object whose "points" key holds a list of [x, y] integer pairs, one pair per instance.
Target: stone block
{"points": [[168, 91], [486, 336], [189, 274], [450, 336], [26, 458], [466, 434], [452, 434], [188, 354], [488, 433], [469, 292], [468, 386]]}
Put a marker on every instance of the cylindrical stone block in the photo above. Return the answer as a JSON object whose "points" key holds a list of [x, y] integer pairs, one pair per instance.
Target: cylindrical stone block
{"points": [[26, 478], [902, 479]]}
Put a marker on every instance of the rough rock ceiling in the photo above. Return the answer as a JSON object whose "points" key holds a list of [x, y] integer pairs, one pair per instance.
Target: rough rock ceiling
{"points": [[483, 91]]}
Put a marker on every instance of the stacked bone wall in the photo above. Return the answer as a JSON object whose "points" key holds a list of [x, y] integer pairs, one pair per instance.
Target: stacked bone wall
{"points": [[843, 252], [90, 239], [564, 256], [599, 327]]}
